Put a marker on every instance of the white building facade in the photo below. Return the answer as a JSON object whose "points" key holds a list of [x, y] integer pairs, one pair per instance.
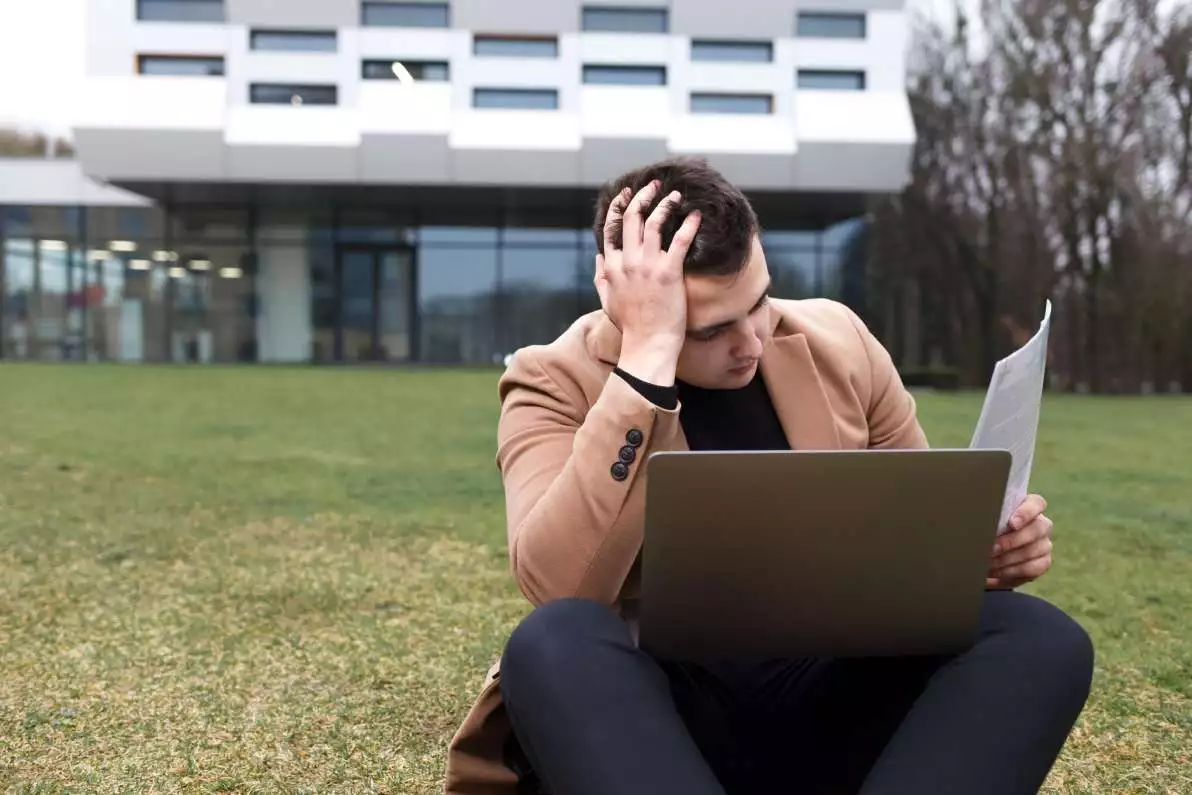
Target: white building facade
{"points": [[366, 180]]}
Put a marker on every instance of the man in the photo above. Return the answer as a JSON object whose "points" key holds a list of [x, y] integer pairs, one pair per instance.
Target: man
{"points": [[690, 352]]}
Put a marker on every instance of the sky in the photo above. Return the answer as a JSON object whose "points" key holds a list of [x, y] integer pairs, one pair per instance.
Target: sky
{"points": [[42, 61]]}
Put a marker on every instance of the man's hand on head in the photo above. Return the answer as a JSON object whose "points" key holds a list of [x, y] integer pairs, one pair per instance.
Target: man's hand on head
{"points": [[1023, 553]]}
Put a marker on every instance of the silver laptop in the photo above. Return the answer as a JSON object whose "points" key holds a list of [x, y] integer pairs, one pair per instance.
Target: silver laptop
{"points": [[836, 553]]}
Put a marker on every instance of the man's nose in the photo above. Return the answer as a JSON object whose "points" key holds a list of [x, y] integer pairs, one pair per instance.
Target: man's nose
{"points": [[751, 345]]}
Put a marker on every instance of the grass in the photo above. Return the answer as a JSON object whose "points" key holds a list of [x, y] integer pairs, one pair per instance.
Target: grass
{"points": [[292, 580]]}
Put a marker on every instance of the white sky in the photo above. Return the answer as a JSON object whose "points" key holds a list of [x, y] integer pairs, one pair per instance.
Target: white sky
{"points": [[42, 60]]}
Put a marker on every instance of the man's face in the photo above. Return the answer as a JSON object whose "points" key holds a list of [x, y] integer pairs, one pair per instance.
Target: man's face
{"points": [[728, 325]]}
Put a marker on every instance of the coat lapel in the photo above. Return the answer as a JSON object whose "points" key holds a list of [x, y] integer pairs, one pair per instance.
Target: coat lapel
{"points": [[798, 394]]}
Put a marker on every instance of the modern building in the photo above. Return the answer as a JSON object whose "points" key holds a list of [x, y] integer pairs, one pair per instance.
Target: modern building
{"points": [[368, 180]]}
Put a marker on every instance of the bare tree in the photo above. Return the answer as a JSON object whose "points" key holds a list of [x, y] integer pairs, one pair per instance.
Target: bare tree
{"points": [[1052, 162]]}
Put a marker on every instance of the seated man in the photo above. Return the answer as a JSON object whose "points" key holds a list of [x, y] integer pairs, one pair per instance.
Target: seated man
{"points": [[690, 352]]}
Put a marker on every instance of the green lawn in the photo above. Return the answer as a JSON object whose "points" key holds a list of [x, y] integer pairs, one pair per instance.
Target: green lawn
{"points": [[293, 580]]}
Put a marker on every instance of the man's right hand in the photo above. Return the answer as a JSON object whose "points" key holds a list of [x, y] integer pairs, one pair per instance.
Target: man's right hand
{"points": [[641, 286]]}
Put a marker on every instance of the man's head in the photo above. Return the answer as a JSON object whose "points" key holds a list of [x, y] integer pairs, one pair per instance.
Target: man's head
{"points": [[725, 273]]}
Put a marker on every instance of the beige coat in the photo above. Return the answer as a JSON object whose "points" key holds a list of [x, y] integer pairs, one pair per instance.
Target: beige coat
{"points": [[575, 530]]}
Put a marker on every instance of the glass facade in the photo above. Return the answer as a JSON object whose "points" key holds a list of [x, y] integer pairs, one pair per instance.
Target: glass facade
{"points": [[325, 284]]}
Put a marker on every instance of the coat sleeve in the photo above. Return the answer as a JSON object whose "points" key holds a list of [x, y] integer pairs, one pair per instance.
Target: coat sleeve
{"points": [[892, 412], [568, 471]]}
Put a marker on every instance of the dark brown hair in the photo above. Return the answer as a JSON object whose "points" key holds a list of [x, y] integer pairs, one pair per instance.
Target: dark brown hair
{"points": [[728, 223]]}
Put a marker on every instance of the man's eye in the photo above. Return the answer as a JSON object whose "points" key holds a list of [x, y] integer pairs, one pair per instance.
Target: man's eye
{"points": [[704, 336]]}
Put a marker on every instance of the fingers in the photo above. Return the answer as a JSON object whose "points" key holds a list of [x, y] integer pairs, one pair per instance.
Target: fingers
{"points": [[632, 223], [1040, 548], [616, 211], [1030, 509], [1039, 528], [684, 237], [601, 282], [1024, 572], [652, 239]]}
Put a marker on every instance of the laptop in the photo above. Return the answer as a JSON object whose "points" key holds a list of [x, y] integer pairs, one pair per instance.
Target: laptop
{"points": [[857, 553]]}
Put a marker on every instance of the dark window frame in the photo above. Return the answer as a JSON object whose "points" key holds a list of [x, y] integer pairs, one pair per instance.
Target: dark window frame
{"points": [[838, 16], [369, 5], [282, 33], [661, 11], [861, 73], [293, 88], [479, 39], [142, 57], [221, 18], [625, 68], [388, 63], [756, 43], [702, 95], [477, 91]]}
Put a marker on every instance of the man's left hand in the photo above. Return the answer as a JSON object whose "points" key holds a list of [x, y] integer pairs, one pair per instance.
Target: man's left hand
{"points": [[1023, 553]]}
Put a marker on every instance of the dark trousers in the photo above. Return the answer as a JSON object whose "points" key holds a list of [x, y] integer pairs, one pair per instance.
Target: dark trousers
{"points": [[594, 714]]}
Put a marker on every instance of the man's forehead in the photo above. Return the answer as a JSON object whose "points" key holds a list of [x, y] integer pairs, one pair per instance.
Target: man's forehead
{"points": [[712, 300]]}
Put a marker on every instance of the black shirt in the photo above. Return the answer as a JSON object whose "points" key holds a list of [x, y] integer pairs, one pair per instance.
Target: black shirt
{"points": [[720, 419]]}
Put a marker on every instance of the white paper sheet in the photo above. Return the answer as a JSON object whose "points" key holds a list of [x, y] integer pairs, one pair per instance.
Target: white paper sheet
{"points": [[1010, 417]]}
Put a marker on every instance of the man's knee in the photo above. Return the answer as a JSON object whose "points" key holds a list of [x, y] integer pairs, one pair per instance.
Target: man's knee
{"points": [[557, 638], [1057, 646]]}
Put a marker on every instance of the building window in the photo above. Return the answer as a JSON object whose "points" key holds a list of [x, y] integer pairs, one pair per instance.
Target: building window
{"points": [[516, 47], [286, 94], [752, 51], [180, 65], [294, 40], [405, 15], [732, 103], [822, 25], [180, 10], [618, 75], [407, 71], [518, 98], [830, 80], [604, 19]]}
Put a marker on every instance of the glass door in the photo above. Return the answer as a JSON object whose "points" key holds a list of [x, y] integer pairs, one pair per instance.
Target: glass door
{"points": [[376, 304]]}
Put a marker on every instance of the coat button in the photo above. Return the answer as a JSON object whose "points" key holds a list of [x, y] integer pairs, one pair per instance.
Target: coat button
{"points": [[619, 471], [628, 453], [635, 437]]}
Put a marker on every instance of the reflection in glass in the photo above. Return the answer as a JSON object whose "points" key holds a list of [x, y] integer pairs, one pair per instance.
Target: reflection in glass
{"points": [[181, 65], [539, 291], [516, 98], [62, 224], [294, 40], [625, 20], [180, 10], [402, 69], [830, 80], [711, 102], [292, 94], [456, 295], [105, 224], [793, 272], [19, 268], [356, 280], [105, 310], [457, 235], [515, 47], [830, 25], [405, 15], [324, 308], [624, 75], [395, 284], [589, 299], [715, 50], [205, 223]]}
